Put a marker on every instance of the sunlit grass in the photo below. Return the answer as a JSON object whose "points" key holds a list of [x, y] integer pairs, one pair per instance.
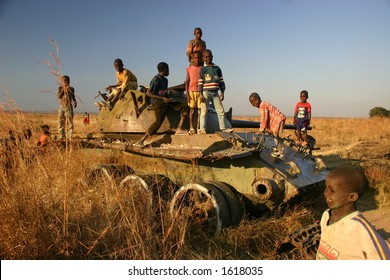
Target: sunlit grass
{"points": [[49, 212]]}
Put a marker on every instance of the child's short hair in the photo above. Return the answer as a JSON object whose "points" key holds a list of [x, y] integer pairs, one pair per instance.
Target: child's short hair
{"points": [[198, 28], [118, 61], [66, 78], [45, 127], [198, 52], [162, 66], [353, 178], [305, 92], [254, 95]]}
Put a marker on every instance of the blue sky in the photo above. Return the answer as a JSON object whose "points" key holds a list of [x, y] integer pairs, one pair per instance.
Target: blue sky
{"points": [[338, 50]]}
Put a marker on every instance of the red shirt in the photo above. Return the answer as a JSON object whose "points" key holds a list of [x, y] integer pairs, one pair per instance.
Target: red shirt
{"points": [[270, 117], [302, 110]]}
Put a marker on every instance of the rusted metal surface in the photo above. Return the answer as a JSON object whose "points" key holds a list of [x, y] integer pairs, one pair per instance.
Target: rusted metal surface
{"points": [[217, 174], [228, 158], [304, 241]]}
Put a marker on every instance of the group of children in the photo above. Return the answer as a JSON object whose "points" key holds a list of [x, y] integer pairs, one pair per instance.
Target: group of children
{"points": [[345, 233], [204, 84], [272, 120]]}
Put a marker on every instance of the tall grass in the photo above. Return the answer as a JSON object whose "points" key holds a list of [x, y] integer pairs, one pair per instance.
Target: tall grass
{"points": [[49, 211]]}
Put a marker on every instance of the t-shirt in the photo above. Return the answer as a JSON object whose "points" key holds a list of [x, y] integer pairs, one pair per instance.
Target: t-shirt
{"points": [[303, 109], [159, 86], [66, 96], [127, 80], [351, 238], [193, 76]]}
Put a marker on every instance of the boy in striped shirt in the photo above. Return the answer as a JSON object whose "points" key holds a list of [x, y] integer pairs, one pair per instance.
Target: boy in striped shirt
{"points": [[210, 83]]}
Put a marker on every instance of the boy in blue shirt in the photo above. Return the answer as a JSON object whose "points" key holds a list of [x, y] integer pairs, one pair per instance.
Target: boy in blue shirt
{"points": [[160, 102]]}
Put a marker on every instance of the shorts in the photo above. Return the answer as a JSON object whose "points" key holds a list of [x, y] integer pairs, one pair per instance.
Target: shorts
{"points": [[195, 99], [302, 124]]}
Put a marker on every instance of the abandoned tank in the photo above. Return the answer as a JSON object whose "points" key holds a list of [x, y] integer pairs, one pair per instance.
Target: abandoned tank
{"points": [[217, 176]]}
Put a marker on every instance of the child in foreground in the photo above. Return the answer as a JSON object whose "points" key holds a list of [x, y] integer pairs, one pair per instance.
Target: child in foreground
{"points": [[345, 233]]}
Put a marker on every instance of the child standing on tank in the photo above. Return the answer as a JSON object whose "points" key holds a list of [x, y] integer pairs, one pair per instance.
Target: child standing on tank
{"points": [[345, 233], [160, 102], [196, 44], [210, 83], [302, 117], [194, 97], [271, 120]]}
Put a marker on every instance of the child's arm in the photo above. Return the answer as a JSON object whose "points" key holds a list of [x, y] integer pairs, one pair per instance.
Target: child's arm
{"points": [[222, 85], [263, 119], [295, 117], [187, 87], [189, 50]]}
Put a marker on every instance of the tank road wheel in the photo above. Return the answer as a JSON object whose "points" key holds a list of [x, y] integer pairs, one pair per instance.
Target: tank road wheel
{"points": [[106, 173], [200, 207], [138, 189], [157, 186], [236, 206]]}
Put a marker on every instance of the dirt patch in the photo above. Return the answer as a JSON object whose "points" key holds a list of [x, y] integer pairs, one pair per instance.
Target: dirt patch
{"points": [[381, 220]]}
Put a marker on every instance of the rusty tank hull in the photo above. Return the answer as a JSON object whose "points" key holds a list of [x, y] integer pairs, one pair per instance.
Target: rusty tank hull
{"points": [[217, 176]]}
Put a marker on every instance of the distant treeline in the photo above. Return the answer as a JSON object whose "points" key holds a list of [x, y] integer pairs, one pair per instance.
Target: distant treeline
{"points": [[379, 112]]}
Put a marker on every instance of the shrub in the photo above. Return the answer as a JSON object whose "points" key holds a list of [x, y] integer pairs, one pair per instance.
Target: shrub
{"points": [[379, 112]]}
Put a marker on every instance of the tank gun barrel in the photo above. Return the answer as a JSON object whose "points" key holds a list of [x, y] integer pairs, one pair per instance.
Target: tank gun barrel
{"points": [[250, 124]]}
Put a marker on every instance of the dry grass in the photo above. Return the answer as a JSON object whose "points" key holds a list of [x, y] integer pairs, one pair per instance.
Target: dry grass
{"points": [[48, 213]]}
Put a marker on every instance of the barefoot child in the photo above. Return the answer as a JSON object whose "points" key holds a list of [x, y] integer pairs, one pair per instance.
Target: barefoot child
{"points": [[194, 97], [302, 117]]}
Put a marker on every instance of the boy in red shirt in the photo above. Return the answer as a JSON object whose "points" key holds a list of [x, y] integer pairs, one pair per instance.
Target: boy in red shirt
{"points": [[302, 116]]}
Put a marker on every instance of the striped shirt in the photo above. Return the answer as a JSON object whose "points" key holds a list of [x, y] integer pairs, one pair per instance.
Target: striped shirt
{"points": [[270, 117], [210, 78], [351, 238]]}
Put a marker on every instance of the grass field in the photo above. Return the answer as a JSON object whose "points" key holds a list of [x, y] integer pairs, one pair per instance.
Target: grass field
{"points": [[48, 214]]}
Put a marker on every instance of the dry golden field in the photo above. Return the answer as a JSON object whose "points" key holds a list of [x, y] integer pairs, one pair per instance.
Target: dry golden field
{"points": [[48, 214]]}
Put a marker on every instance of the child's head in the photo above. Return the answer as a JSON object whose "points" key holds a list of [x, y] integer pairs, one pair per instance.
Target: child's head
{"points": [[344, 186], [208, 57], [45, 129], [197, 58], [255, 99], [198, 33], [27, 133], [118, 65], [163, 69], [66, 80], [304, 95]]}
